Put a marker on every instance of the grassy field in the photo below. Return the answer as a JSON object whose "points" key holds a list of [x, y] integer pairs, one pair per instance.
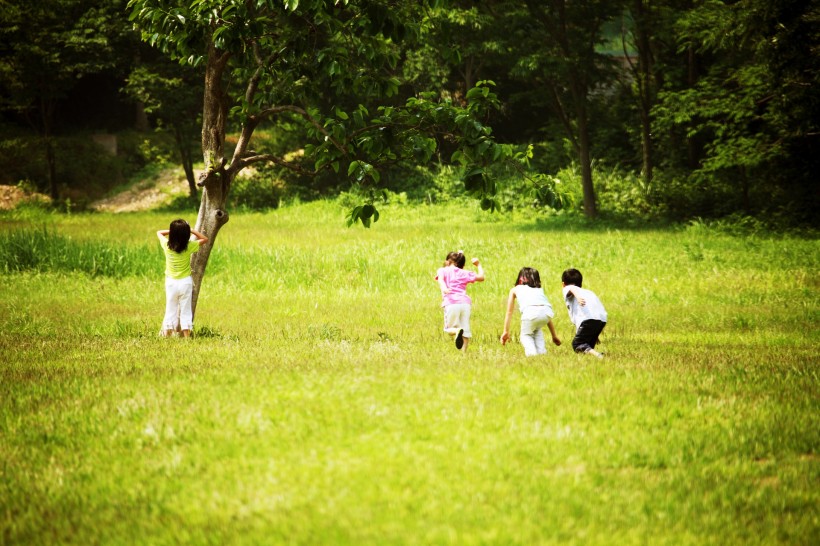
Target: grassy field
{"points": [[321, 404]]}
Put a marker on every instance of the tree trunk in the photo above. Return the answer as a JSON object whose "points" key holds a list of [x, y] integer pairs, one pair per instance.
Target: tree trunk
{"points": [[46, 115], [215, 179], [211, 218], [140, 117], [590, 207], [187, 160], [692, 145], [645, 81], [51, 163], [579, 90]]}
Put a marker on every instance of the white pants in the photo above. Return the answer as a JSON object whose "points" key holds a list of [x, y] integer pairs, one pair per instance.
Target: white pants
{"points": [[178, 294], [533, 320], [457, 317]]}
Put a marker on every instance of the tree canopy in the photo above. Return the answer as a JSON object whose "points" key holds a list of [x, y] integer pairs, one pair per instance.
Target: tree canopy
{"points": [[713, 103]]}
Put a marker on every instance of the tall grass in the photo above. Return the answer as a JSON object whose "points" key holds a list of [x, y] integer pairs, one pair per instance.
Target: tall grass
{"points": [[42, 250], [321, 404]]}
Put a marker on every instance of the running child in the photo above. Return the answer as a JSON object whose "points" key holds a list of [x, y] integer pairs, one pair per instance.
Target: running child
{"points": [[586, 312], [453, 280], [536, 312], [178, 246]]}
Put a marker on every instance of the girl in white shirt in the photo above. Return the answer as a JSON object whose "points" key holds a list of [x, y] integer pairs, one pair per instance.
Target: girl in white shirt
{"points": [[536, 312]]}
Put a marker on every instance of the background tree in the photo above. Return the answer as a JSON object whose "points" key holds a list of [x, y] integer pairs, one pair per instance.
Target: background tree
{"points": [[752, 108], [172, 94], [555, 48], [458, 40], [270, 60], [643, 21], [46, 47]]}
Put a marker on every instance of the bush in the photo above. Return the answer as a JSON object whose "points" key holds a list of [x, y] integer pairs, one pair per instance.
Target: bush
{"points": [[257, 190], [85, 172]]}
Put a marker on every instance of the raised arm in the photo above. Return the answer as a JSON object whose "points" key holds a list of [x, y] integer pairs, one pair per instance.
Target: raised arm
{"points": [[508, 317], [575, 294], [199, 237], [480, 274]]}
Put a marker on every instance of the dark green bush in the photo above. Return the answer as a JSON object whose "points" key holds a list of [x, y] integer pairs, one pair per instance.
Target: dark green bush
{"points": [[260, 190]]}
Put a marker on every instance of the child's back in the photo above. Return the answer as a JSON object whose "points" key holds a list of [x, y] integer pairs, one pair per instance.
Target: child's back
{"points": [[586, 312], [592, 309]]}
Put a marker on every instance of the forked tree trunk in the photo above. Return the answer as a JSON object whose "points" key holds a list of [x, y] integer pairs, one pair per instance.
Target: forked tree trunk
{"points": [[215, 179]]}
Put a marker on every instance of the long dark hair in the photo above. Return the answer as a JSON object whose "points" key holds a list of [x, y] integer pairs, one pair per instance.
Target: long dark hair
{"points": [[528, 276], [456, 258], [178, 235]]}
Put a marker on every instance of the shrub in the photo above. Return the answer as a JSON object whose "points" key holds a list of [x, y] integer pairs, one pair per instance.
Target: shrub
{"points": [[257, 190]]}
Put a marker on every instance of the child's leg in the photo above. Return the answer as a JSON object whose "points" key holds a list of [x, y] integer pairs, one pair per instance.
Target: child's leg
{"points": [[464, 324], [186, 316], [169, 322], [451, 320], [587, 336], [540, 344], [528, 342], [532, 336]]}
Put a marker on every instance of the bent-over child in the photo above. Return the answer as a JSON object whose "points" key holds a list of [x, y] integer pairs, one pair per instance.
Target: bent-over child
{"points": [[179, 285], [586, 312], [536, 312], [453, 280]]}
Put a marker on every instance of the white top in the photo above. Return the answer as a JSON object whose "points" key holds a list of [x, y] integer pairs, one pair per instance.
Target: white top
{"points": [[528, 296], [592, 310]]}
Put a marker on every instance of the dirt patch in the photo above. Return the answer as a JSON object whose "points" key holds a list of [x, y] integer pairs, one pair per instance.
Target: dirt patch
{"points": [[145, 195], [11, 196]]}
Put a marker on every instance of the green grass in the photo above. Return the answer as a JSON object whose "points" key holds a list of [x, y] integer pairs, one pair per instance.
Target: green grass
{"points": [[321, 404]]}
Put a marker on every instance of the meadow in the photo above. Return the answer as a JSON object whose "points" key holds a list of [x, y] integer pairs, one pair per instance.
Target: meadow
{"points": [[320, 403]]}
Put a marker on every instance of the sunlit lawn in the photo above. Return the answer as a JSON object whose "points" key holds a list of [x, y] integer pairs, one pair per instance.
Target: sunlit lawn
{"points": [[321, 404]]}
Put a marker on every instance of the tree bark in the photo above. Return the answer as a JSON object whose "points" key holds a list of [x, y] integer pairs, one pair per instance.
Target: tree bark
{"points": [[645, 80], [579, 93], [215, 179], [51, 164], [187, 160], [584, 156], [46, 115]]}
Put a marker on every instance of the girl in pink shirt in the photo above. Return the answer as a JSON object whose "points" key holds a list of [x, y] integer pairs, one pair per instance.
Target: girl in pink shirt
{"points": [[453, 281]]}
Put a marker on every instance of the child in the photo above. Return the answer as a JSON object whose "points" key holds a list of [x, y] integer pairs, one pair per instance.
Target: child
{"points": [[453, 281], [586, 312], [536, 312], [179, 285]]}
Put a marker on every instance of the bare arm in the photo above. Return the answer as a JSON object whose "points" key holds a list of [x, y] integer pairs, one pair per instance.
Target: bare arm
{"points": [[199, 237], [505, 337], [554, 335], [442, 286], [572, 290], [480, 275], [163, 233]]}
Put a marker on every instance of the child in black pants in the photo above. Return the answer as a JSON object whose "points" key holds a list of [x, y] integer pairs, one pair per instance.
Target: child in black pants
{"points": [[586, 312]]}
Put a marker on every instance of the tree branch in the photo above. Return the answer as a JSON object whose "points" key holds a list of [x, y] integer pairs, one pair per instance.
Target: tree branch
{"points": [[269, 112], [259, 158]]}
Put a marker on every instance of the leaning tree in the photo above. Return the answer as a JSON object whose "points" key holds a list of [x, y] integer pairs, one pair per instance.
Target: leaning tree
{"points": [[300, 62]]}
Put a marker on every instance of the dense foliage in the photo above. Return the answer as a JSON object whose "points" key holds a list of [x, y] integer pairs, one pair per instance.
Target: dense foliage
{"points": [[700, 108]]}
